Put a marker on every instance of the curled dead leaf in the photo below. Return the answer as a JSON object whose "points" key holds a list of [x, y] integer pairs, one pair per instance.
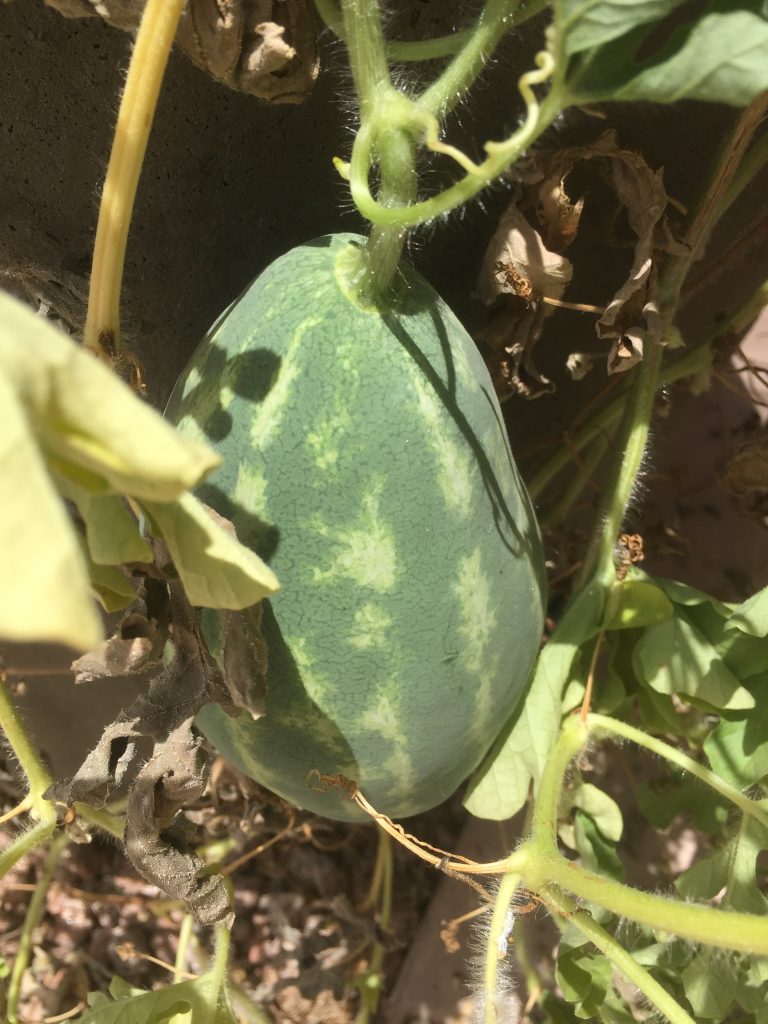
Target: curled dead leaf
{"points": [[267, 48]]}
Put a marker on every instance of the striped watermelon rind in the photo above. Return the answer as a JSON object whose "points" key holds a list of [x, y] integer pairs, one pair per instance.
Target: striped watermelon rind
{"points": [[365, 458]]}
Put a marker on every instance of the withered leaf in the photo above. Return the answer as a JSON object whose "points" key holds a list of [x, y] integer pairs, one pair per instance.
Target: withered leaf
{"points": [[517, 262], [267, 48], [135, 647], [632, 314], [175, 773]]}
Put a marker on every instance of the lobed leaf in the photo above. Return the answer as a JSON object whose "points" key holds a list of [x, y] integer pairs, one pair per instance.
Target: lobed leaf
{"points": [[674, 657], [88, 418], [46, 594], [737, 748], [112, 531], [752, 615], [129, 1005], [500, 785], [216, 569], [720, 56], [585, 24]]}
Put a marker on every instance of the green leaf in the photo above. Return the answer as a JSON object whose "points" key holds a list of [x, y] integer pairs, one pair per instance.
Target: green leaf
{"points": [[601, 808], [583, 977], [674, 657], [732, 867], [129, 1005], [662, 800], [710, 983], [738, 748], [46, 594], [751, 616], [112, 587], [216, 569], [720, 56], [683, 594], [596, 852], [500, 785], [639, 604], [88, 418], [112, 532], [585, 24]]}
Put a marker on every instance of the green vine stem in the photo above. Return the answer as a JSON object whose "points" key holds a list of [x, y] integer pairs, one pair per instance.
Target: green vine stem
{"points": [[134, 122], [495, 946], [31, 921], [371, 982], [440, 46], [545, 871], [496, 18], [599, 558], [28, 757], [500, 155], [620, 958], [384, 125], [602, 725]]}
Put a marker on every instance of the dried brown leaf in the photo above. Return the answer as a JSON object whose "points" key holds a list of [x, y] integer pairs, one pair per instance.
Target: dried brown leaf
{"points": [[175, 773], [517, 262], [136, 646], [632, 314], [266, 48]]}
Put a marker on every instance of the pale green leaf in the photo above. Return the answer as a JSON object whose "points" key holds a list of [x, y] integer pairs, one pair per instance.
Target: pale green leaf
{"points": [[585, 24], [596, 852], [638, 604], [720, 56], [601, 808], [674, 657], [46, 593], [216, 569], [111, 587], [683, 594], [583, 977], [86, 416], [111, 530], [500, 785], [738, 748], [731, 867], [751, 616]]}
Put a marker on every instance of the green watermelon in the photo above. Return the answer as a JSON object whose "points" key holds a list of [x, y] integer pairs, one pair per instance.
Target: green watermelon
{"points": [[366, 460]]}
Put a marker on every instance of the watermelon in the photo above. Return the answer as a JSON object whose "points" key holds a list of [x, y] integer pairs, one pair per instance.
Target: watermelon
{"points": [[365, 459]]}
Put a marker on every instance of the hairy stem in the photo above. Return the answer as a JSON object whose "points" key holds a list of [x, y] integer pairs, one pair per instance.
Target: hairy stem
{"points": [[447, 90], [680, 364], [384, 137], [602, 725], [31, 921], [27, 755], [623, 961], [599, 559], [134, 122], [496, 945], [500, 155]]}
